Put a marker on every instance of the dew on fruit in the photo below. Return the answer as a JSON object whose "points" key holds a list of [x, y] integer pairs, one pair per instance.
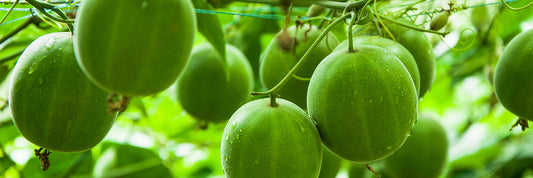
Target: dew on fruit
{"points": [[41, 80], [256, 162], [370, 101], [227, 138], [233, 125], [302, 129], [226, 158], [144, 5], [389, 147], [50, 43]]}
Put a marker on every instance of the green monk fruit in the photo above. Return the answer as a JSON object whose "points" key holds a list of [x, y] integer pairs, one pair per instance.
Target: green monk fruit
{"points": [[210, 88], [134, 47], [52, 102], [364, 103], [266, 140]]}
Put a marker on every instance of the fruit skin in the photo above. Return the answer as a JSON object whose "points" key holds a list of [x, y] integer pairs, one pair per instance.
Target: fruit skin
{"points": [[52, 103], [397, 49], [276, 61], [417, 43], [330, 164], [440, 20], [134, 47], [424, 153], [264, 141], [205, 90], [513, 82], [364, 103]]}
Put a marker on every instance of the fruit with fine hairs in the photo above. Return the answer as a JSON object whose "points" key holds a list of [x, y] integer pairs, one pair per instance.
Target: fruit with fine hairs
{"points": [[52, 102], [396, 48], [211, 89], [418, 45], [513, 80], [283, 53], [364, 103], [424, 153], [134, 47], [262, 140]]}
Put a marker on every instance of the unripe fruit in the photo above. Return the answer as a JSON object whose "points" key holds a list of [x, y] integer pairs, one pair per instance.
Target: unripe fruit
{"points": [[52, 103], [134, 47], [265, 141], [211, 89], [396, 48], [424, 153], [513, 77], [364, 103], [440, 20]]}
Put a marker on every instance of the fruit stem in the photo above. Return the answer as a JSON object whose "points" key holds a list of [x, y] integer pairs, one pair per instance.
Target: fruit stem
{"points": [[342, 5], [278, 2], [304, 58], [516, 9], [350, 35], [9, 11], [273, 100], [412, 27], [42, 6], [17, 30]]}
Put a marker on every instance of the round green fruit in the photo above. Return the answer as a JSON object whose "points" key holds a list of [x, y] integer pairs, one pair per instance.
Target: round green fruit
{"points": [[330, 164], [440, 20], [261, 140], [134, 47], [513, 82], [52, 103], [424, 153], [364, 103], [278, 59], [209, 88], [418, 45], [120, 160], [397, 49]]}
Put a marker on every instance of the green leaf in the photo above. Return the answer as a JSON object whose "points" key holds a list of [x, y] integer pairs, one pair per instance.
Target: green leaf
{"points": [[210, 27], [122, 160]]}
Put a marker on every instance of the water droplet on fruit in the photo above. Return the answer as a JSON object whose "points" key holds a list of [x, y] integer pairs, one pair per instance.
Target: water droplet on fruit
{"points": [[233, 125], [41, 80], [226, 158], [50, 43], [144, 5], [240, 131], [389, 147], [227, 138], [370, 101], [256, 162], [302, 129]]}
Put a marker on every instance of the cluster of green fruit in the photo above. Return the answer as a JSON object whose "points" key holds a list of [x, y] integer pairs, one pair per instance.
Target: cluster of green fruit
{"points": [[59, 88], [361, 105]]}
